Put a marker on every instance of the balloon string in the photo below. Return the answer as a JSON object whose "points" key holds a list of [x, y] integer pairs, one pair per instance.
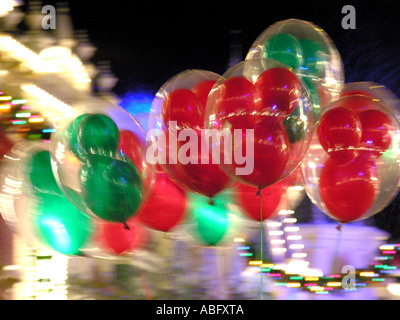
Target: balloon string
{"points": [[146, 289], [170, 261], [211, 273], [261, 243], [336, 256], [217, 278]]}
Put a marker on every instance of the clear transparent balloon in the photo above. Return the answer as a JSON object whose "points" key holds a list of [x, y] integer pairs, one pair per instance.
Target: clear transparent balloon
{"points": [[280, 116], [36, 209], [100, 131], [376, 91], [308, 50], [378, 167], [187, 79], [15, 190], [177, 120]]}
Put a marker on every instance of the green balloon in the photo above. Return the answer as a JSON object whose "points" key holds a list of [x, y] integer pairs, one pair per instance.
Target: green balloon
{"points": [[60, 225], [312, 57], [41, 174], [211, 220], [111, 188], [71, 137], [284, 48], [98, 134], [295, 128]]}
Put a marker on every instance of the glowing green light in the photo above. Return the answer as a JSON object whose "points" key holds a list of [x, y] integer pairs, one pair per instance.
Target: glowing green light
{"points": [[61, 225], [246, 254], [321, 292], [296, 278], [280, 284], [15, 122]]}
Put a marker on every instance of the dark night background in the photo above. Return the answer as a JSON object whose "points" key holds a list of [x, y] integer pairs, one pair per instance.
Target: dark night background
{"points": [[147, 43]]}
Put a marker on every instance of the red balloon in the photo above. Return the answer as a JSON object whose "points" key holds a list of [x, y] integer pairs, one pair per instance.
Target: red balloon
{"points": [[250, 202], [376, 131], [131, 146], [271, 154], [119, 239], [172, 167], [184, 107], [234, 101], [278, 92], [339, 133], [348, 190], [202, 89], [165, 206], [202, 175]]}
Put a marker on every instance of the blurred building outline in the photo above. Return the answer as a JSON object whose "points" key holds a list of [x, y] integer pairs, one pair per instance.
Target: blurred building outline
{"points": [[52, 70]]}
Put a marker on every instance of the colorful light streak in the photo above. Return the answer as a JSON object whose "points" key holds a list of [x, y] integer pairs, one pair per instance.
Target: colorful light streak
{"points": [[335, 283]]}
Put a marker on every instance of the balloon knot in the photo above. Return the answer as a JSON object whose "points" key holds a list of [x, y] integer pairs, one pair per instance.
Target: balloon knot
{"points": [[258, 193], [126, 226], [211, 202], [339, 227]]}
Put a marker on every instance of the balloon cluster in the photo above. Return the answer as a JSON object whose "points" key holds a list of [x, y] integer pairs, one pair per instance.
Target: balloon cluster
{"points": [[351, 168], [308, 51], [253, 103], [56, 221], [178, 113], [356, 125], [100, 165], [102, 184], [37, 208], [251, 125], [32, 199]]}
